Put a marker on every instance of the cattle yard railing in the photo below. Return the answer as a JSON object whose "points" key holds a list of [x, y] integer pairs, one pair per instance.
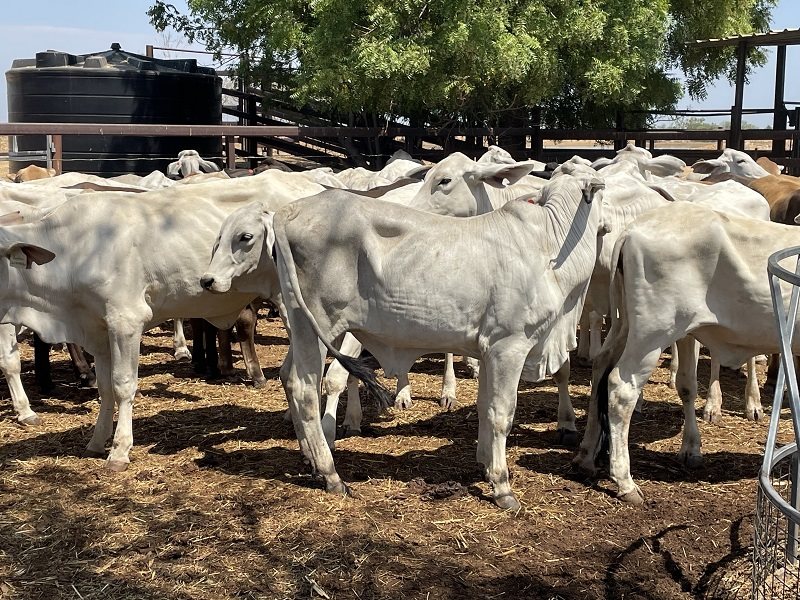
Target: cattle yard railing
{"points": [[776, 552], [472, 141]]}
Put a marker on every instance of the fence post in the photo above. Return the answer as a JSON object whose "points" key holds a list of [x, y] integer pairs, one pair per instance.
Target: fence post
{"points": [[57, 152], [620, 141], [537, 144], [230, 151], [250, 145]]}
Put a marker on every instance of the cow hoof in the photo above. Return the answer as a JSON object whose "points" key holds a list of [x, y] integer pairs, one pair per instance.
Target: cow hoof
{"points": [[507, 502], [259, 383], [634, 497], [89, 453], [755, 414], [31, 420], [87, 382], [403, 402], [712, 417], [584, 464], [347, 431], [183, 355], [116, 466], [448, 402], [567, 437], [691, 461], [340, 488]]}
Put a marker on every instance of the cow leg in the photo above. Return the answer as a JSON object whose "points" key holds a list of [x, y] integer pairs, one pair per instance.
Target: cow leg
{"points": [[81, 366], [448, 400], [41, 365], [497, 401], [402, 397], [209, 333], [353, 414], [595, 334], [752, 409], [712, 412], [180, 349], [225, 356], [11, 367], [689, 351], [586, 459], [246, 332], [124, 378], [567, 431], [301, 374], [625, 383], [335, 381], [198, 345], [473, 366], [584, 347], [104, 424], [673, 364]]}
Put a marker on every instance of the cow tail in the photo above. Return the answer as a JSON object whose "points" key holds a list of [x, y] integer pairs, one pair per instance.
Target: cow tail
{"points": [[616, 335], [355, 366]]}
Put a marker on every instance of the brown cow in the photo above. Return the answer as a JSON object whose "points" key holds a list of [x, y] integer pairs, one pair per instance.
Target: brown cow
{"points": [[32, 172]]}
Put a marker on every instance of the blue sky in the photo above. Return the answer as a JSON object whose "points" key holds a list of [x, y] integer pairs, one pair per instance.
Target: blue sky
{"points": [[82, 26]]}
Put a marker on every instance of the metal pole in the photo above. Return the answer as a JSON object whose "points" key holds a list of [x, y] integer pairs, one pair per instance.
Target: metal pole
{"points": [[779, 116], [49, 151]]}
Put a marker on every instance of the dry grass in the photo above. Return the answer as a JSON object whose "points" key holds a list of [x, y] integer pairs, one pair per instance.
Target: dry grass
{"points": [[218, 504]]}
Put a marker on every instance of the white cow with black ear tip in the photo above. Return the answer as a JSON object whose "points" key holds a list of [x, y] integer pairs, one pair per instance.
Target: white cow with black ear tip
{"points": [[190, 163]]}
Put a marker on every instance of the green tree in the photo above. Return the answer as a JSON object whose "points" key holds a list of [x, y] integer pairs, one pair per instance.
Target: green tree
{"points": [[474, 61]]}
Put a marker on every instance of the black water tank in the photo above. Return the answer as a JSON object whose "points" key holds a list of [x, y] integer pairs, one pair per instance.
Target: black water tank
{"points": [[114, 87]]}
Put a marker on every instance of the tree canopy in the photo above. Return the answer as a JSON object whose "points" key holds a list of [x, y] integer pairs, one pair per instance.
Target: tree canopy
{"points": [[475, 61]]}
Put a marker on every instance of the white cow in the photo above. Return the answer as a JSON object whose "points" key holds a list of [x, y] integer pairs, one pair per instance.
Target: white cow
{"points": [[383, 273], [190, 163], [465, 193], [126, 262], [681, 270], [661, 165]]}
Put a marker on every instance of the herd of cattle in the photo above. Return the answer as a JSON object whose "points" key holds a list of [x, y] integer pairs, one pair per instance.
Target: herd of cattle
{"points": [[496, 260]]}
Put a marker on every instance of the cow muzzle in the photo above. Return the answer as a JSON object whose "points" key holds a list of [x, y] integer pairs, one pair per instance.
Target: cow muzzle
{"points": [[207, 282]]}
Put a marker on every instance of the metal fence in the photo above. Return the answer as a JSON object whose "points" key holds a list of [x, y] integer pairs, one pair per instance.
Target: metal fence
{"points": [[776, 552]]}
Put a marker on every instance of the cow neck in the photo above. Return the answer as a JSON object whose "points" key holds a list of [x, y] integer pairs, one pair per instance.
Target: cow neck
{"points": [[570, 225]]}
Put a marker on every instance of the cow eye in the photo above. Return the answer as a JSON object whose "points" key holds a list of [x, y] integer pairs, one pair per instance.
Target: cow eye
{"points": [[445, 181], [246, 237]]}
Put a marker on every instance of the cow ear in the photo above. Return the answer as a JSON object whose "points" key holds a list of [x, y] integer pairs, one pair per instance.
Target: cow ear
{"points": [[24, 255], [496, 174], [12, 218], [592, 186], [174, 168], [208, 166], [269, 230], [419, 173], [705, 167]]}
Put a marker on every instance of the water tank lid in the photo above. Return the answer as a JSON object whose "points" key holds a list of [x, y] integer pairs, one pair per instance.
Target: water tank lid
{"points": [[116, 58]]}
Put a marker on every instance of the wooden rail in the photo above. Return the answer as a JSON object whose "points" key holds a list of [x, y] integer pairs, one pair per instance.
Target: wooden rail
{"points": [[339, 139]]}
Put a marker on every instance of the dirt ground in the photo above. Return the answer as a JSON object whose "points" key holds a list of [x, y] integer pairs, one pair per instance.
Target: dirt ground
{"points": [[218, 504]]}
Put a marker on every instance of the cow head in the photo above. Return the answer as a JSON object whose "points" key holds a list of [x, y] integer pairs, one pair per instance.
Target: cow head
{"points": [[190, 163], [454, 186], [731, 161], [245, 243]]}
